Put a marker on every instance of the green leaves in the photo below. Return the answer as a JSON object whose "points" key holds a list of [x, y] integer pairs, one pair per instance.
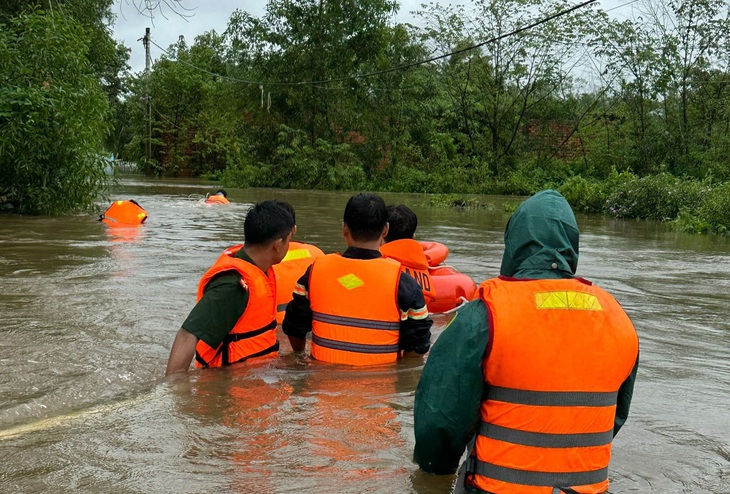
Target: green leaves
{"points": [[52, 116]]}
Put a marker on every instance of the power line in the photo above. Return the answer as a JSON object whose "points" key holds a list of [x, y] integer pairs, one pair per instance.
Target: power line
{"points": [[621, 6], [396, 68]]}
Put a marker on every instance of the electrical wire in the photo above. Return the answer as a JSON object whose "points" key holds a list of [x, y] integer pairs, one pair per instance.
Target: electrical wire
{"points": [[396, 68]]}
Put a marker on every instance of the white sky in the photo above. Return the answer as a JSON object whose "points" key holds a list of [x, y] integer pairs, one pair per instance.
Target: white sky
{"points": [[213, 15]]}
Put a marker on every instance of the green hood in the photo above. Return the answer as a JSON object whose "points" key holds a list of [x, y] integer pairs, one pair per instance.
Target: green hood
{"points": [[541, 239]]}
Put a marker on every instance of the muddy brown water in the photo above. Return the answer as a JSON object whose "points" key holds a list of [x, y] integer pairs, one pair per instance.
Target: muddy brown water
{"points": [[89, 314]]}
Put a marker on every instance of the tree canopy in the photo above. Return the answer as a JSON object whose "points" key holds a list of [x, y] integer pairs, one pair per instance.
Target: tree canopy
{"points": [[60, 73], [335, 94]]}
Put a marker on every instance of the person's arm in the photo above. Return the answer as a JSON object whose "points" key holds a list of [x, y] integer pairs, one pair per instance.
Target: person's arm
{"points": [[449, 392], [298, 317], [223, 303], [625, 393], [182, 352], [415, 327]]}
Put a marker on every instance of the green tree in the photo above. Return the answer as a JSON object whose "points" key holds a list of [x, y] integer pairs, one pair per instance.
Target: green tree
{"points": [[306, 41], [694, 35], [632, 70], [108, 58], [193, 109], [52, 115], [494, 89]]}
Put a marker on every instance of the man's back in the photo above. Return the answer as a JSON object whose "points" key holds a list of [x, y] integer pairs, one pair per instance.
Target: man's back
{"points": [[355, 312], [561, 350], [356, 304], [543, 361]]}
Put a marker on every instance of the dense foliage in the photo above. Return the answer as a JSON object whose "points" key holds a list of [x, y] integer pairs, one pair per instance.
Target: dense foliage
{"points": [[306, 97], [52, 113], [59, 74], [701, 206], [629, 117]]}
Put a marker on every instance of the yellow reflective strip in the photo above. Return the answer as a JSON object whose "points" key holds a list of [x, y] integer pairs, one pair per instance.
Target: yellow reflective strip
{"points": [[293, 254], [350, 281], [567, 300], [421, 313]]}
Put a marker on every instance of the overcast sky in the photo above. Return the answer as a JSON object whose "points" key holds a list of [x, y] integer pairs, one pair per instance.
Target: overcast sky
{"points": [[213, 15]]}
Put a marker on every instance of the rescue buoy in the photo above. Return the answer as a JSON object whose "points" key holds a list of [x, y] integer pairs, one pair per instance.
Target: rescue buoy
{"points": [[435, 252], [452, 288], [124, 213], [217, 199]]}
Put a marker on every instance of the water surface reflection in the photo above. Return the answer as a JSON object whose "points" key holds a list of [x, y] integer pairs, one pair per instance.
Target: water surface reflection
{"points": [[90, 313]]}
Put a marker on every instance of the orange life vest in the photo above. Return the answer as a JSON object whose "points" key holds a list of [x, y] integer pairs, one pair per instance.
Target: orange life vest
{"points": [[559, 352], [409, 253], [355, 314], [254, 334], [124, 213], [298, 258], [217, 199]]}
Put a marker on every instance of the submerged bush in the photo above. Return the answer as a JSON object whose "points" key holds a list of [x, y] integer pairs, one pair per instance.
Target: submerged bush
{"points": [[713, 215], [459, 201], [298, 165], [584, 195], [656, 197], [715, 209]]}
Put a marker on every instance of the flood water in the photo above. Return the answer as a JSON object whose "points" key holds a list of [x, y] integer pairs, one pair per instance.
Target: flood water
{"points": [[89, 314]]}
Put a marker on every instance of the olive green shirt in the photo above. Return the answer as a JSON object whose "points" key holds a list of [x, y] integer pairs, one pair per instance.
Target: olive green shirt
{"points": [[223, 303]]}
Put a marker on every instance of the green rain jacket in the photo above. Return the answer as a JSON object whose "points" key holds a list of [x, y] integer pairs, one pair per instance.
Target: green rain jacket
{"points": [[541, 242]]}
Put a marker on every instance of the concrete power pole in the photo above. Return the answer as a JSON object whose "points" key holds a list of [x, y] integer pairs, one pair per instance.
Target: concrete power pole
{"points": [[148, 106]]}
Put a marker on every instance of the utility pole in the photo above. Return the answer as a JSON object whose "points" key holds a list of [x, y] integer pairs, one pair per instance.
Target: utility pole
{"points": [[148, 106]]}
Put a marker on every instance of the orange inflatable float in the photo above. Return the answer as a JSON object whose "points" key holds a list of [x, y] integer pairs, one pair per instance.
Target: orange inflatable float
{"points": [[289, 270], [217, 199], [124, 213], [451, 286], [220, 197]]}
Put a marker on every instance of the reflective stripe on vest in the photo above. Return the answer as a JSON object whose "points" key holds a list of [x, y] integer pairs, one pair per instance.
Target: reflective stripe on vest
{"points": [[355, 314], [552, 398], [353, 347], [254, 334], [541, 440], [540, 479], [355, 322], [547, 421]]}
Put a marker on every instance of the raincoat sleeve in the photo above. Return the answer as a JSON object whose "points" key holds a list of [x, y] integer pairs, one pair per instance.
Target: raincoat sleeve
{"points": [[625, 393], [449, 393]]}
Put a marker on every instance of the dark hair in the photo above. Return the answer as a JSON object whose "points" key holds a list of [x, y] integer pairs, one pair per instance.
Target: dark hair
{"points": [[266, 221], [366, 215], [222, 192], [290, 209], [403, 223]]}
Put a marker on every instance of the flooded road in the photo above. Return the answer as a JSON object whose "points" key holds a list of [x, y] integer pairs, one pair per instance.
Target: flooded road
{"points": [[89, 314]]}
